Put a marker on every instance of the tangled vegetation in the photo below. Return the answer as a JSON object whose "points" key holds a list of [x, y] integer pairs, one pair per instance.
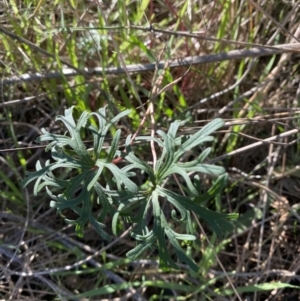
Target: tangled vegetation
{"points": [[166, 134]]}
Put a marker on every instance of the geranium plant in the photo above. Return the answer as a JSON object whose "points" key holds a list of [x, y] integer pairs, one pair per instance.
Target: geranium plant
{"points": [[92, 175]]}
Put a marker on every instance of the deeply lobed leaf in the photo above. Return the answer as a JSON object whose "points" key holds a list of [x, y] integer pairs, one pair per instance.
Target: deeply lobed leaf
{"points": [[122, 197]]}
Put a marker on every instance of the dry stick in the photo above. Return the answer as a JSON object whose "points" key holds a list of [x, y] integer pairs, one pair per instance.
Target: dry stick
{"points": [[188, 61], [211, 39], [256, 144], [284, 48], [137, 68], [152, 144], [154, 93]]}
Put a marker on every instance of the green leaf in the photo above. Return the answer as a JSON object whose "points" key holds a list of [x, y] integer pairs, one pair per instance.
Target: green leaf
{"points": [[207, 169], [214, 190], [139, 164], [159, 232], [220, 223], [200, 137], [141, 247], [95, 177], [37, 175], [191, 143], [179, 236], [174, 199], [180, 171], [76, 143], [114, 146], [99, 228], [107, 289], [200, 159], [120, 175], [268, 286], [167, 157], [179, 252]]}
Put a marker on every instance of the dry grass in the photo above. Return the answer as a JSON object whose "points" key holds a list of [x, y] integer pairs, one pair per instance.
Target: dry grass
{"points": [[258, 97]]}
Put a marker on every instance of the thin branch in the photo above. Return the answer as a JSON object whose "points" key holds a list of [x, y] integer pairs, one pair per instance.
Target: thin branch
{"points": [[200, 36], [136, 68], [256, 144]]}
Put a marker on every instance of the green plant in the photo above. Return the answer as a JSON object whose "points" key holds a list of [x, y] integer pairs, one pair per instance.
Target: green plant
{"points": [[120, 196]]}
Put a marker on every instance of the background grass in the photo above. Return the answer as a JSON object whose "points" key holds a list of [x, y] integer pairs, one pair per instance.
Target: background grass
{"points": [[41, 259]]}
